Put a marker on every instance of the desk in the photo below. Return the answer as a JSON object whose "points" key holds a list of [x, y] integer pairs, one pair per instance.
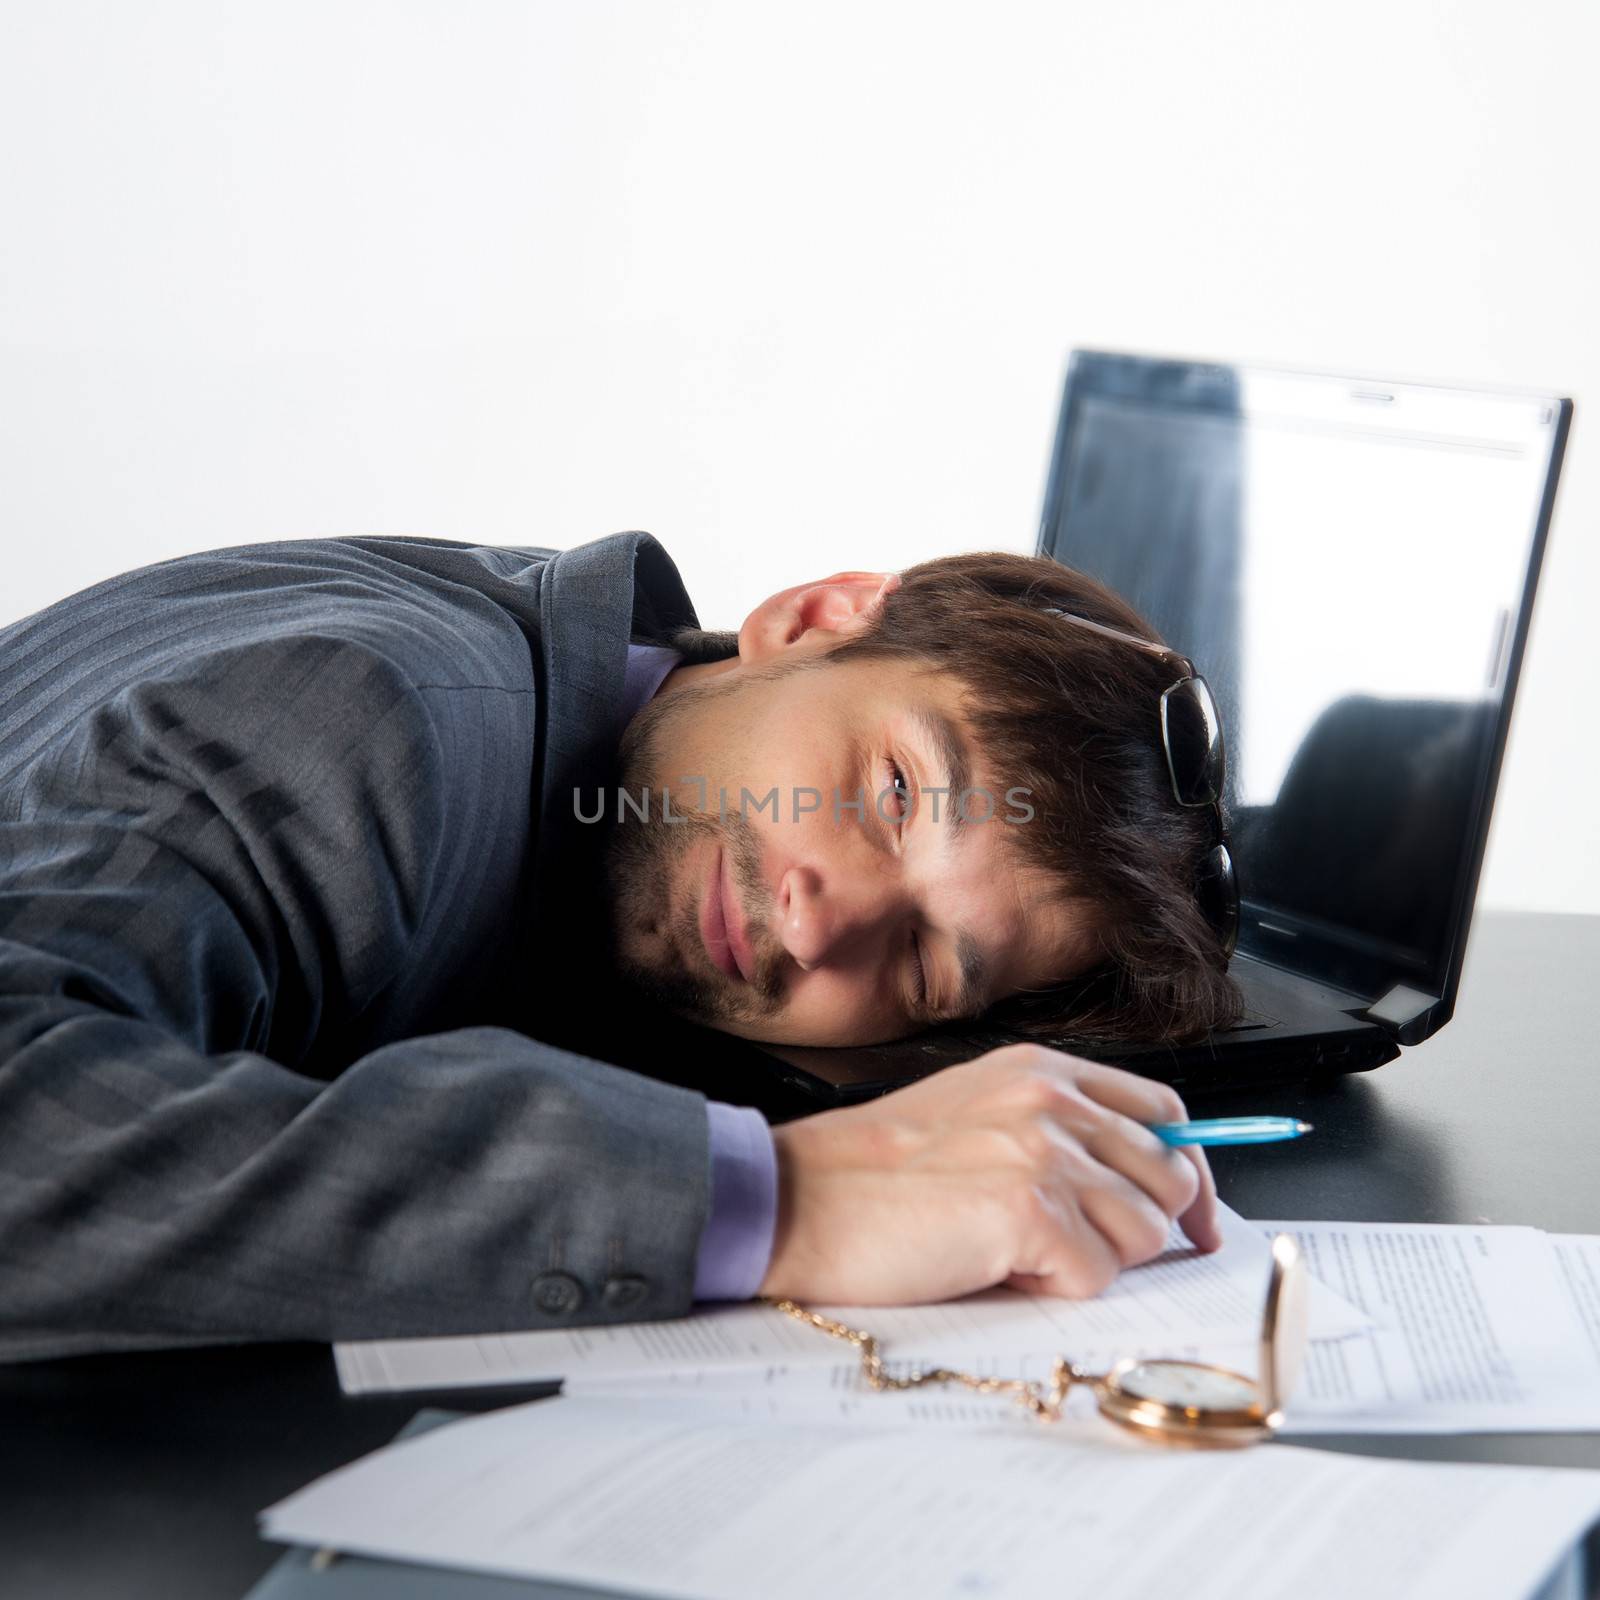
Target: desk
{"points": [[141, 1475]]}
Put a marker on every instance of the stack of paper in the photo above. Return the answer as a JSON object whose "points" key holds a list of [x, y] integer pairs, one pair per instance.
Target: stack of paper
{"points": [[1173, 1302], [673, 1499], [738, 1451], [1415, 1329]]}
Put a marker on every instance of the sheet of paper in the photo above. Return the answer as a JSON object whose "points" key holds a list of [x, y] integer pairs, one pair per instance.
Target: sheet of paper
{"points": [[1578, 1261], [838, 1394], [1492, 1330], [1179, 1297], [653, 1498], [832, 1395], [1478, 1329]]}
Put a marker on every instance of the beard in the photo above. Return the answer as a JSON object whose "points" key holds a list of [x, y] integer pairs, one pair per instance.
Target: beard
{"points": [[656, 945]]}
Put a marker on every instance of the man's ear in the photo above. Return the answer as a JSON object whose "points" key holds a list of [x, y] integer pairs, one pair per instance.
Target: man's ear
{"points": [[814, 616]]}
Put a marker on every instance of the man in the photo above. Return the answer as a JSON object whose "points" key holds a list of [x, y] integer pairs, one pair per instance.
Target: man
{"points": [[304, 916]]}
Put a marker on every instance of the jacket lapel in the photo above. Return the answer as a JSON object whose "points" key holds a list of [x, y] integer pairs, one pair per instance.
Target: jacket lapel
{"points": [[592, 601]]}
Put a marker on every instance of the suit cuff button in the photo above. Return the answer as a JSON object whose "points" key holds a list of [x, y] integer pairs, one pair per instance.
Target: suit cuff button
{"points": [[557, 1294], [620, 1294]]}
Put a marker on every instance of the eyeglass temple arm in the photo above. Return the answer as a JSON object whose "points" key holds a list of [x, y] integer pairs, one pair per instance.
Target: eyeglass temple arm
{"points": [[1147, 645]]}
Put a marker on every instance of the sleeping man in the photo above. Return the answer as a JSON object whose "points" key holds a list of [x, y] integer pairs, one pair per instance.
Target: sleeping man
{"points": [[319, 858]]}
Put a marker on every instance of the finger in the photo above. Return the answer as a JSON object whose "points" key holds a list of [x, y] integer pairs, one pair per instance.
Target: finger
{"points": [[1135, 1226], [1143, 1099], [1201, 1221], [1109, 1111], [1147, 1101], [1130, 1148]]}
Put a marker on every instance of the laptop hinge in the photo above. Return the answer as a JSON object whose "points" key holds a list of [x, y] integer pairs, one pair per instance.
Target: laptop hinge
{"points": [[1400, 1006]]}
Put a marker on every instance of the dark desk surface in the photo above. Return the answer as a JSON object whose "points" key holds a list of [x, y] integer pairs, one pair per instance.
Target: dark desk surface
{"points": [[142, 1475]]}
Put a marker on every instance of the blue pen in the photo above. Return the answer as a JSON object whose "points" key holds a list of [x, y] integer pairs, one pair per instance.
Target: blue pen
{"points": [[1230, 1130]]}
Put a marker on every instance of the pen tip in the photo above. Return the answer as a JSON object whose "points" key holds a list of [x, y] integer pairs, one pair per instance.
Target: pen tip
{"points": [[1302, 1127]]}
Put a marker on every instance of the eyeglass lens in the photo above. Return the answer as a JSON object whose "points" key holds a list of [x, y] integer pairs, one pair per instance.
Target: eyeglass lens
{"points": [[1218, 894], [1193, 733]]}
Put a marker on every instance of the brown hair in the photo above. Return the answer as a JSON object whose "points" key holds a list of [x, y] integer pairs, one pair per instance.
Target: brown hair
{"points": [[1074, 718]]}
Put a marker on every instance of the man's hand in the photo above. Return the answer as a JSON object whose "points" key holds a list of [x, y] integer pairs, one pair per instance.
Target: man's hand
{"points": [[1025, 1167]]}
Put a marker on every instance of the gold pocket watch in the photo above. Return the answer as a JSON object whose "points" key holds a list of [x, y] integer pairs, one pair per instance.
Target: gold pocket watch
{"points": [[1171, 1402]]}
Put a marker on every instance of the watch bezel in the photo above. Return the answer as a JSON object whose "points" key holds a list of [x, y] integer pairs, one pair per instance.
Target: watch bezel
{"points": [[1180, 1424]]}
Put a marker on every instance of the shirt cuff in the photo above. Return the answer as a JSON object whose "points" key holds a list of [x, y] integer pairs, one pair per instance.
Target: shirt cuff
{"points": [[737, 1242]]}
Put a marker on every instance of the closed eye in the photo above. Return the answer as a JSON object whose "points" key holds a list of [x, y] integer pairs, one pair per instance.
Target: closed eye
{"points": [[919, 976]]}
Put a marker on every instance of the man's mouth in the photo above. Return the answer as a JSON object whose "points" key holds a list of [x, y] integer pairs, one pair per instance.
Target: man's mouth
{"points": [[722, 925]]}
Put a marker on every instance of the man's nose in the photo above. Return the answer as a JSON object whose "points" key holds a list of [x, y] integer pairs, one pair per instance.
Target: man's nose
{"points": [[820, 921]]}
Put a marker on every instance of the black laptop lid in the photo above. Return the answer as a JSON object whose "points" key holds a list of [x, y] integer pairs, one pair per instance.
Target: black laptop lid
{"points": [[1351, 565]]}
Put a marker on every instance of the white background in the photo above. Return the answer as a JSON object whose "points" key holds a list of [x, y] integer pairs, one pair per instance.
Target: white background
{"points": [[790, 286]]}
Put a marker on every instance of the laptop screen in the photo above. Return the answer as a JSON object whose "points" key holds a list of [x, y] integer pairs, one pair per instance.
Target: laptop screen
{"points": [[1350, 565]]}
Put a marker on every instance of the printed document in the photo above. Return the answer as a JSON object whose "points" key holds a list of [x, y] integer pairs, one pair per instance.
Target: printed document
{"points": [[656, 1498], [1178, 1298], [1477, 1329]]}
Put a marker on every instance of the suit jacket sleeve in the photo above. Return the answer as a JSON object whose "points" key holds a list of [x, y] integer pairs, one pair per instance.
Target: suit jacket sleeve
{"points": [[213, 870]]}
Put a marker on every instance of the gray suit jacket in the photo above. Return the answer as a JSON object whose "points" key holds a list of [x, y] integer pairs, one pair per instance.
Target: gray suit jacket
{"points": [[289, 872]]}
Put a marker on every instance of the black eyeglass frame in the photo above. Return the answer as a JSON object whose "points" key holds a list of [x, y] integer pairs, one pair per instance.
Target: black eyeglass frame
{"points": [[1217, 883]]}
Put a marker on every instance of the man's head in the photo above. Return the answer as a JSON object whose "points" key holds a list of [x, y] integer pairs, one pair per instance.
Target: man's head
{"points": [[911, 800]]}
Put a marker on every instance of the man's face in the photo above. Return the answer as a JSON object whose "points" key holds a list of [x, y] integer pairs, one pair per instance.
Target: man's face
{"points": [[824, 923]]}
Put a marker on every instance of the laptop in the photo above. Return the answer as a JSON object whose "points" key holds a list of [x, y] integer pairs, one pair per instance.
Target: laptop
{"points": [[1351, 565]]}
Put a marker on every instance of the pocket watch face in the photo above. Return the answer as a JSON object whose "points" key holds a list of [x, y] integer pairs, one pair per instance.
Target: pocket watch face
{"points": [[1187, 1385]]}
